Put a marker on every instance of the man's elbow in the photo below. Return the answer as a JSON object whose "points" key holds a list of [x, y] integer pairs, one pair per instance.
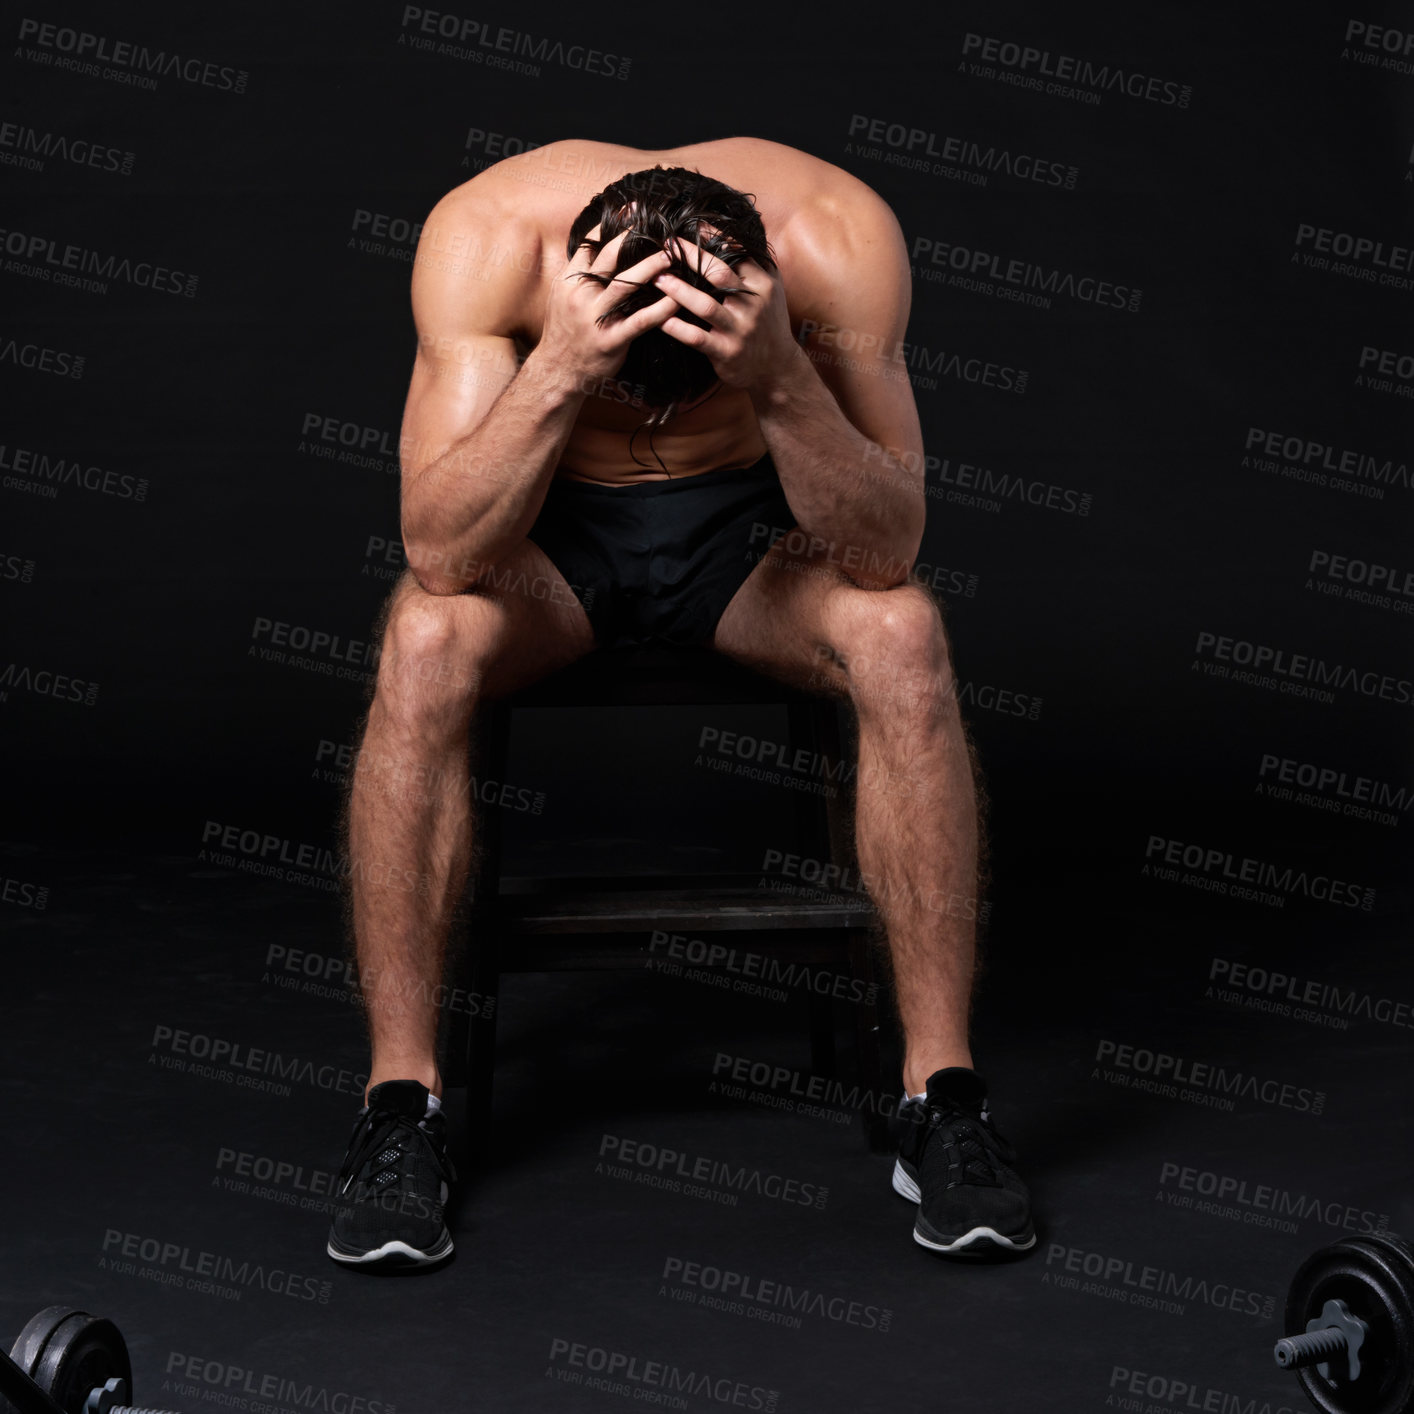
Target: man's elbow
{"points": [[892, 564], [914, 520], [913, 538], [438, 584], [435, 571], [884, 567]]}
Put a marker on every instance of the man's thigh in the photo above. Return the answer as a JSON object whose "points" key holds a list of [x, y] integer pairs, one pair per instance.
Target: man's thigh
{"points": [[779, 620], [799, 618], [518, 625]]}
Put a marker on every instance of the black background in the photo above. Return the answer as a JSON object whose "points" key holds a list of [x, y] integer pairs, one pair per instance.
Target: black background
{"points": [[207, 399]]}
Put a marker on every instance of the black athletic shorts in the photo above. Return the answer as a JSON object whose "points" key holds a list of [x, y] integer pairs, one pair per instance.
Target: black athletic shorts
{"points": [[657, 562]]}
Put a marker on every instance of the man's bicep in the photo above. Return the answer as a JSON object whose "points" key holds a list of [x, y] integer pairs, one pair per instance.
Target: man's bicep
{"points": [[856, 335], [455, 381], [464, 305]]}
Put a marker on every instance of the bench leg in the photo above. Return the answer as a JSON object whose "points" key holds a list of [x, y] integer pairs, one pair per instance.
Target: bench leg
{"points": [[822, 1034], [471, 1048], [480, 1062], [868, 1039]]}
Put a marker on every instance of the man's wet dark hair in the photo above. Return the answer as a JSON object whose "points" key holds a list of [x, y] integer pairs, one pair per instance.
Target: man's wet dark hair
{"points": [[654, 205]]}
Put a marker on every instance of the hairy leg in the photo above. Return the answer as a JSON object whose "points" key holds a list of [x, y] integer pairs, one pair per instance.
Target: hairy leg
{"points": [[408, 815], [916, 818]]}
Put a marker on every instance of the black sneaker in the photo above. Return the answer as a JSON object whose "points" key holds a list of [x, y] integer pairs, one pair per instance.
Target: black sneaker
{"points": [[958, 1169], [393, 1185]]}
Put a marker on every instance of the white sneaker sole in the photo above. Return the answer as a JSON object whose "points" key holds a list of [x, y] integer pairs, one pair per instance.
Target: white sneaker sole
{"points": [[394, 1253], [905, 1187]]}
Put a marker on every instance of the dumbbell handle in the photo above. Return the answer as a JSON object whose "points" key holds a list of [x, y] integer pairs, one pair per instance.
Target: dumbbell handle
{"points": [[1294, 1351], [112, 1398]]}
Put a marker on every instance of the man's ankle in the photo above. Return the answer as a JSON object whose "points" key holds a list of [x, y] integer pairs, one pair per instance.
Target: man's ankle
{"points": [[915, 1074], [424, 1074]]}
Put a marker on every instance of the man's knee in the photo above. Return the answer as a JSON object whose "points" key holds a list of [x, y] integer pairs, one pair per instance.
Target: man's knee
{"points": [[893, 650], [437, 646], [909, 625], [896, 629]]}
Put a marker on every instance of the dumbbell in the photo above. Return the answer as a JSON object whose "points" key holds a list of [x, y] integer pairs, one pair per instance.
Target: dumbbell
{"points": [[1351, 1313], [68, 1362]]}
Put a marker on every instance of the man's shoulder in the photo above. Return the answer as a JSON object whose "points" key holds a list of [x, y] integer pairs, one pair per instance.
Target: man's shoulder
{"points": [[483, 247], [525, 203], [540, 184], [808, 190], [815, 212], [839, 227], [482, 205]]}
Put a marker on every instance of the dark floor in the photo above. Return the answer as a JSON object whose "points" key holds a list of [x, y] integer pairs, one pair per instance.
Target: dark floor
{"points": [[125, 1169]]}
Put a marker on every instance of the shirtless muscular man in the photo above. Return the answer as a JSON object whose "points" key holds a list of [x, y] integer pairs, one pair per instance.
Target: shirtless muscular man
{"points": [[629, 363]]}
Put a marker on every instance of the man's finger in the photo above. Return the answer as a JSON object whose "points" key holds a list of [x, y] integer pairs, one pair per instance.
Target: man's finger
{"points": [[747, 272], [605, 261], [701, 261], [653, 316], [697, 258], [690, 334], [582, 256], [639, 274], [699, 302]]}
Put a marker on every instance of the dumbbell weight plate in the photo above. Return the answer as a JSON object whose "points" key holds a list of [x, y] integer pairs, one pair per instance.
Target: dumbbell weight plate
{"points": [[1374, 1275], [68, 1352]]}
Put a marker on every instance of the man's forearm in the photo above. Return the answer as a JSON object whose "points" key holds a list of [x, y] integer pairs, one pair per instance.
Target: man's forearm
{"points": [[465, 511], [843, 488]]}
